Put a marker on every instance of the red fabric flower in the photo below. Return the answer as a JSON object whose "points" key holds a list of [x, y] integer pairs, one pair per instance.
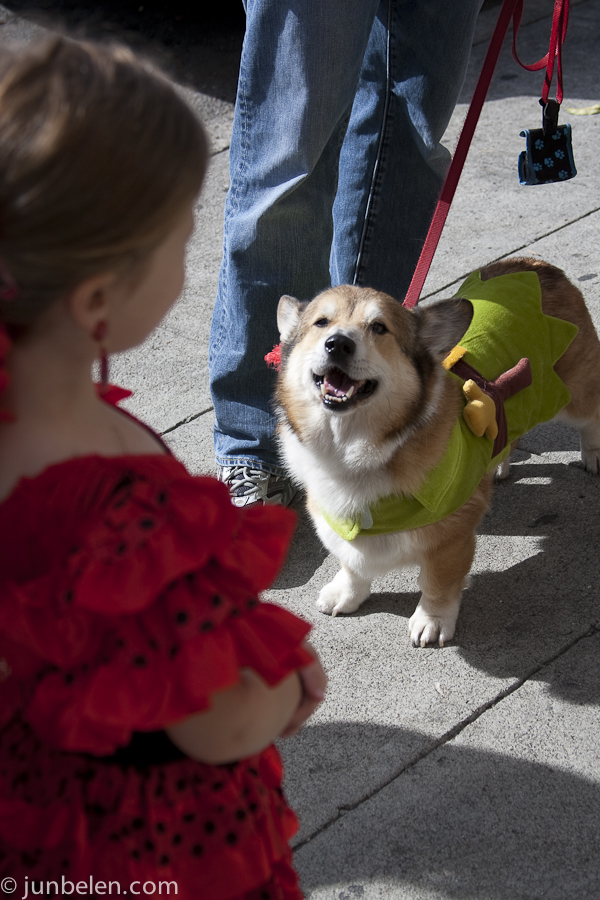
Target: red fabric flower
{"points": [[273, 358]]}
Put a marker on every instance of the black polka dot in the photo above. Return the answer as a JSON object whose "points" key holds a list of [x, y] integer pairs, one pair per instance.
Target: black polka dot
{"points": [[164, 860], [253, 807], [161, 498], [146, 524], [181, 617], [120, 550], [231, 838], [181, 784], [240, 815], [209, 827], [115, 837], [188, 817], [217, 785], [139, 661], [160, 827], [234, 612], [69, 597], [206, 626], [149, 845], [252, 602], [173, 651], [197, 850], [216, 600], [69, 678], [135, 854], [177, 839], [137, 823], [152, 643]]}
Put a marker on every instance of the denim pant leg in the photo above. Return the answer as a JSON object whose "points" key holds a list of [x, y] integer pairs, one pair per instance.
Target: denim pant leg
{"points": [[299, 71], [392, 165], [299, 81]]}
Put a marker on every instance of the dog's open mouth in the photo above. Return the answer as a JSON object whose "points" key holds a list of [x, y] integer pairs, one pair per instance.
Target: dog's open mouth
{"points": [[339, 391]]}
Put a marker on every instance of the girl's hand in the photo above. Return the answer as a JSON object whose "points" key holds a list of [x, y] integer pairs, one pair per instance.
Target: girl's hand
{"points": [[314, 682]]}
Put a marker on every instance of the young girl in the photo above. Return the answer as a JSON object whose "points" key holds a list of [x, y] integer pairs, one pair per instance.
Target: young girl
{"points": [[141, 681]]}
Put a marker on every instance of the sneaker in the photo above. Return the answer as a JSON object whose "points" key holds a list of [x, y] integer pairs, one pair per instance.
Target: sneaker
{"points": [[248, 487]]}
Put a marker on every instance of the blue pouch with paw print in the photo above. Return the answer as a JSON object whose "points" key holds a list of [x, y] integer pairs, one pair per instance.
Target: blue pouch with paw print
{"points": [[548, 156]]}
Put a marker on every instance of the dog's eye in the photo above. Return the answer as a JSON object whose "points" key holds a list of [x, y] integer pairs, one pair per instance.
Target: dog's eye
{"points": [[378, 328], [322, 323]]}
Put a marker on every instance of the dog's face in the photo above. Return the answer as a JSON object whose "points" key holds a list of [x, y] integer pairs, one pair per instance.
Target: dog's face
{"points": [[356, 352]]}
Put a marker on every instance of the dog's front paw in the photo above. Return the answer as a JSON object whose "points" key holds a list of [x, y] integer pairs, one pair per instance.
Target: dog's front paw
{"points": [[425, 628], [343, 595]]}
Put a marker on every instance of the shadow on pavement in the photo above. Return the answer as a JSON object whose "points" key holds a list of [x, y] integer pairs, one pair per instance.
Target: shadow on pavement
{"points": [[198, 43], [463, 823]]}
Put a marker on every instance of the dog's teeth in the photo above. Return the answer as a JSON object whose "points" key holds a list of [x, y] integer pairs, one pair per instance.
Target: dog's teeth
{"points": [[323, 388], [350, 392]]}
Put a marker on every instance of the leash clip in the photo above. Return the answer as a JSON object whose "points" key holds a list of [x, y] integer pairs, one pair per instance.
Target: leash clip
{"points": [[550, 116]]}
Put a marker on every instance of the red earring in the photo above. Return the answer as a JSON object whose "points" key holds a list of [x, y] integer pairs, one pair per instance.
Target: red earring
{"points": [[99, 335]]}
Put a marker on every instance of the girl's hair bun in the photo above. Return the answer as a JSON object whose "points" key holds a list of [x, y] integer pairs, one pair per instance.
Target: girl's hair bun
{"points": [[99, 154]]}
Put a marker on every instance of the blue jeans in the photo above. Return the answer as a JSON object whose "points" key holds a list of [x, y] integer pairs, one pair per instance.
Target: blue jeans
{"points": [[335, 168]]}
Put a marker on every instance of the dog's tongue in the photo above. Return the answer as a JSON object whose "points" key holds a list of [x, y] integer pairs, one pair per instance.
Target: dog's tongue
{"points": [[338, 383]]}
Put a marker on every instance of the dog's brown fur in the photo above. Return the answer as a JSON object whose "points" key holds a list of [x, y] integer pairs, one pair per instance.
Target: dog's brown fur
{"points": [[340, 456]]}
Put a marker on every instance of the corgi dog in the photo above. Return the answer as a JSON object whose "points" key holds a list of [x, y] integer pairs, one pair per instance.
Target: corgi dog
{"points": [[372, 404]]}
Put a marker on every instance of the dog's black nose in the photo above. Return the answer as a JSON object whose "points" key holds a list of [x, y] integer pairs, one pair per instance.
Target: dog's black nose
{"points": [[340, 345]]}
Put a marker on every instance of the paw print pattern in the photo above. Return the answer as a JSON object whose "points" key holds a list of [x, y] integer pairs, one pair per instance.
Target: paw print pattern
{"points": [[548, 157]]}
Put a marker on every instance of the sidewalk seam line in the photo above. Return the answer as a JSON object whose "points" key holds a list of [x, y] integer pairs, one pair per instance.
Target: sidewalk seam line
{"points": [[187, 420], [218, 152], [514, 250], [450, 735]]}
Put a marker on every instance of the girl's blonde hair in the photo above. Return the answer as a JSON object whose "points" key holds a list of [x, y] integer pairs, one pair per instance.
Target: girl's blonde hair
{"points": [[98, 157]]}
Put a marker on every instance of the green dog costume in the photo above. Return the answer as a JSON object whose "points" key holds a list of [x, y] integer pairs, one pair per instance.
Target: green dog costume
{"points": [[508, 324]]}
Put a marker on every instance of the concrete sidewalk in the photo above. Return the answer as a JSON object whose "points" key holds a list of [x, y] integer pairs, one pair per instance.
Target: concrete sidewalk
{"points": [[470, 771]]}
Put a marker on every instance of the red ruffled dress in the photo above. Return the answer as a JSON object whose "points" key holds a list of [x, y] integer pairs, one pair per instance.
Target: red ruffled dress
{"points": [[128, 595]]}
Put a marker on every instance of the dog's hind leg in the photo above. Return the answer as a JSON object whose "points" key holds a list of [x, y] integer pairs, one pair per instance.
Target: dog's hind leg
{"points": [[344, 594], [589, 434]]}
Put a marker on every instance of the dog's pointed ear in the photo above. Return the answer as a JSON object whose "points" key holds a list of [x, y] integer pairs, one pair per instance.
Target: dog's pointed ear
{"points": [[443, 324], [289, 312]]}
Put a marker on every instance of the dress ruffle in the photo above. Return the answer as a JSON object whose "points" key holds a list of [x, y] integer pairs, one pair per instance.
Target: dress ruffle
{"points": [[152, 613]]}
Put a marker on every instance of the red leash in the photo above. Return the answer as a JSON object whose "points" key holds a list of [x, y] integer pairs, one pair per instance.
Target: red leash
{"points": [[511, 9]]}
